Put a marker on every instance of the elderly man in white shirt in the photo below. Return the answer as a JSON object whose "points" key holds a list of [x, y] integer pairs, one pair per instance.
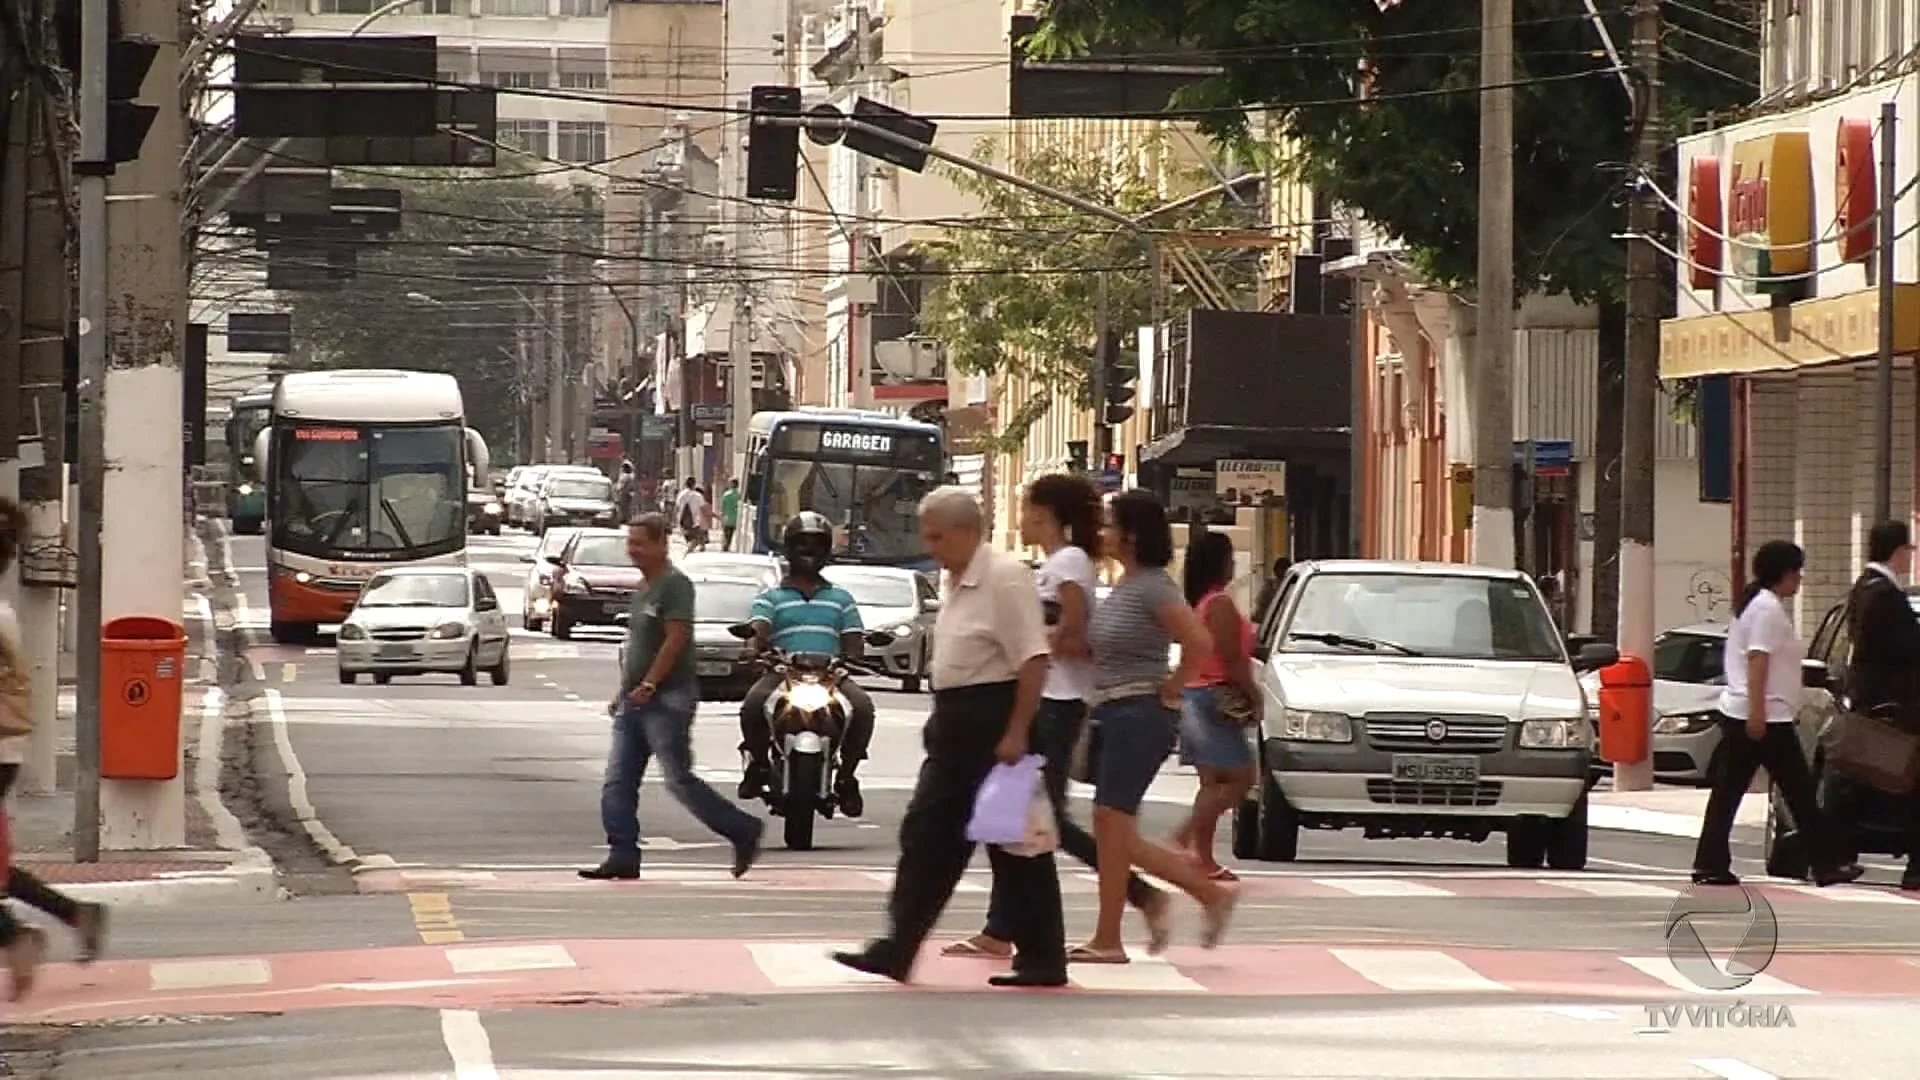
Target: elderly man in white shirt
{"points": [[989, 667]]}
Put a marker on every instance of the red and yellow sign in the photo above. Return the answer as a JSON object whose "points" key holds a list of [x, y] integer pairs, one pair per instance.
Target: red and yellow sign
{"points": [[1855, 191], [1706, 223], [1770, 205]]}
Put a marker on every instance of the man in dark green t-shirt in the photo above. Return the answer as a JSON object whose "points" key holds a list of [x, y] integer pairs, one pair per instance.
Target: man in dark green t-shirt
{"points": [[653, 714]]}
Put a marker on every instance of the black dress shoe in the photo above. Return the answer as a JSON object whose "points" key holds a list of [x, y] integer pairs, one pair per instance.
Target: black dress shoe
{"points": [[612, 870], [1910, 882], [1028, 979], [847, 794], [1838, 875], [747, 853], [1715, 877], [870, 961]]}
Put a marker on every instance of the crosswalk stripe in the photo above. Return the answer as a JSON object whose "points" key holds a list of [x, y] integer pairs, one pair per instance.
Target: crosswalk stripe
{"points": [[1381, 887], [1610, 889], [1417, 970], [791, 965], [494, 959]]}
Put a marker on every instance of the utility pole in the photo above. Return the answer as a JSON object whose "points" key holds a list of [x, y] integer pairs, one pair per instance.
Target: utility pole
{"points": [[42, 410], [13, 257], [1102, 325], [1493, 330], [1643, 375], [1883, 399], [92, 169], [554, 345], [580, 308], [739, 349]]}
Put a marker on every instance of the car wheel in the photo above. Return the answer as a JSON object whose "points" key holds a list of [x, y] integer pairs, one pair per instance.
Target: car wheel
{"points": [[532, 622], [1783, 849], [1279, 839], [470, 674], [1527, 840], [348, 678], [501, 670], [1567, 839], [381, 678]]}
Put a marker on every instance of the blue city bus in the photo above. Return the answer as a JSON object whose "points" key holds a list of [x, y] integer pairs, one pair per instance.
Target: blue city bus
{"points": [[866, 471], [250, 414]]}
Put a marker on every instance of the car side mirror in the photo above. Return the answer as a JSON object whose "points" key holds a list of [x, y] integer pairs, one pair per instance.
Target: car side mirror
{"points": [[930, 605], [742, 630], [526, 558], [555, 560], [1576, 642], [1595, 655], [484, 604], [1815, 675]]}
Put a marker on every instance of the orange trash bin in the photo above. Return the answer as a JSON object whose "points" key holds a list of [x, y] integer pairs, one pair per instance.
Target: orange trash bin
{"points": [[1626, 711], [143, 663]]}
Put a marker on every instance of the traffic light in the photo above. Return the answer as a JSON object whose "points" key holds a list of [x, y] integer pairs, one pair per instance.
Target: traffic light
{"points": [[773, 152], [128, 61], [1116, 383], [1077, 455]]}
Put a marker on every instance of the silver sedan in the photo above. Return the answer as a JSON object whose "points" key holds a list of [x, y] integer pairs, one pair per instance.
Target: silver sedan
{"points": [[901, 602]]}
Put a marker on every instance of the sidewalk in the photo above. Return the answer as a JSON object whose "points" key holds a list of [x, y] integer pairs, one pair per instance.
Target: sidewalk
{"points": [[1667, 811], [216, 864]]}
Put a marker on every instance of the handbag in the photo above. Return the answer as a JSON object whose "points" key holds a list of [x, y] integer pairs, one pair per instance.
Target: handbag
{"points": [[1875, 750], [1234, 704], [16, 694]]}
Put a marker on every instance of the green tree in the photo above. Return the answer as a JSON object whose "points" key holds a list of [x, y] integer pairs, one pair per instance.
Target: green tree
{"points": [[1013, 293], [1409, 160], [457, 288]]}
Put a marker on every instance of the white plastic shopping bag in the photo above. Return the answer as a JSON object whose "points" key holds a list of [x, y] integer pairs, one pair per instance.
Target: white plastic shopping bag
{"points": [[1003, 804], [1043, 829]]}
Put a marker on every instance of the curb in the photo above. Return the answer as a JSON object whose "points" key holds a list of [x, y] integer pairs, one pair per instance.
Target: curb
{"points": [[249, 880], [1638, 819]]}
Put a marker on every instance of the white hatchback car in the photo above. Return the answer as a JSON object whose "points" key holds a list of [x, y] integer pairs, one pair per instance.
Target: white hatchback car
{"points": [[422, 620]]}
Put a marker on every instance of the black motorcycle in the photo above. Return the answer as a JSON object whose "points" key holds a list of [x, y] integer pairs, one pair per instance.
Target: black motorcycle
{"points": [[807, 717]]}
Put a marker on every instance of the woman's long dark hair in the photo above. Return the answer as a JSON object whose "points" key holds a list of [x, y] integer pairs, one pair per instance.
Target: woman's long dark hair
{"points": [[1209, 565], [1139, 517], [1772, 562], [13, 531], [1075, 503]]}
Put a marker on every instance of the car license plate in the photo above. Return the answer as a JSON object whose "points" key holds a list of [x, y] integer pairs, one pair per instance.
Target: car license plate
{"points": [[1421, 769], [614, 607], [714, 669], [396, 652]]}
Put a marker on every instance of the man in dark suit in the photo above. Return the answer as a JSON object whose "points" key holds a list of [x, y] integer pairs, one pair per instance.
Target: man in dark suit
{"points": [[1883, 671]]}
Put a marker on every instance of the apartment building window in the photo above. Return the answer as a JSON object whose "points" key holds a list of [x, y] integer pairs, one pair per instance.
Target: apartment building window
{"points": [[285, 7], [366, 7], [583, 9], [517, 8], [581, 142], [517, 80], [583, 69], [530, 137]]}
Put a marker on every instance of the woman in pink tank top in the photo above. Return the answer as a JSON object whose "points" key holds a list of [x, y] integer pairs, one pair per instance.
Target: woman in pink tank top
{"points": [[1221, 702]]}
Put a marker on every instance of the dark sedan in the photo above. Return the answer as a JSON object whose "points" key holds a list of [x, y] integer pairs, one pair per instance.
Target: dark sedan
{"points": [[593, 581]]}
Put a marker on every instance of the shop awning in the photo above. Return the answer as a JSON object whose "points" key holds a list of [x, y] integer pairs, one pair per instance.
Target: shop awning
{"points": [[1804, 334], [1203, 444]]}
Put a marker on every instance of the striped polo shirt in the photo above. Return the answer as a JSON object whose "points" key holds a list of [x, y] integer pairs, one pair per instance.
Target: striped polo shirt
{"points": [[797, 623]]}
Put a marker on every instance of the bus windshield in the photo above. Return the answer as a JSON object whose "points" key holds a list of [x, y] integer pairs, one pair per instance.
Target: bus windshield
{"points": [[874, 508], [388, 490]]}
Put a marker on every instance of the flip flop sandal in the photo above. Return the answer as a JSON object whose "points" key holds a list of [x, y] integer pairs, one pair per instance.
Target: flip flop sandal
{"points": [[1080, 954], [974, 950], [1159, 927], [1218, 915], [1221, 873]]}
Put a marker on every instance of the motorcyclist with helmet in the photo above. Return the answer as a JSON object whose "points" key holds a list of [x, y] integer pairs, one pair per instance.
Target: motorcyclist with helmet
{"points": [[805, 613]]}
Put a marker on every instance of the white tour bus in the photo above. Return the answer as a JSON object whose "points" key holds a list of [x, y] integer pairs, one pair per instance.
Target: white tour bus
{"points": [[364, 470]]}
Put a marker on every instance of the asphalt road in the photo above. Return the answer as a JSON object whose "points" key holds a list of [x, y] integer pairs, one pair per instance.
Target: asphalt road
{"points": [[429, 833]]}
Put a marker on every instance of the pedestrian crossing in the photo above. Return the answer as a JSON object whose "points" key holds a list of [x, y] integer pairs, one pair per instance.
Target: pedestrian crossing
{"points": [[654, 971], [1256, 884]]}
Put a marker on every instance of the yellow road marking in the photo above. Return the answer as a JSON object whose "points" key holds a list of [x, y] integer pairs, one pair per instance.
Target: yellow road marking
{"points": [[433, 918], [288, 673]]}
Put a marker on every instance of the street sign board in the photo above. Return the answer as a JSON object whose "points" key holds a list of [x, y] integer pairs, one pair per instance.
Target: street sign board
{"points": [[260, 332]]}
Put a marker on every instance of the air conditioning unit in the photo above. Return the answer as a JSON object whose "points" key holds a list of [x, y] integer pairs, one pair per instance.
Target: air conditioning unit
{"points": [[910, 360]]}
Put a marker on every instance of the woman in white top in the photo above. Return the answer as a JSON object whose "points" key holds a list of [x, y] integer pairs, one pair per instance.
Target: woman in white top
{"points": [[1763, 665], [1061, 516]]}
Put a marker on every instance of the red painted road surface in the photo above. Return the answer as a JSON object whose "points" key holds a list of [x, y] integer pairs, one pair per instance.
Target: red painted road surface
{"points": [[537, 973]]}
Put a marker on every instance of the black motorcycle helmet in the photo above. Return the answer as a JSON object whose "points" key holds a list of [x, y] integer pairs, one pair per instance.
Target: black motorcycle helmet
{"points": [[807, 542]]}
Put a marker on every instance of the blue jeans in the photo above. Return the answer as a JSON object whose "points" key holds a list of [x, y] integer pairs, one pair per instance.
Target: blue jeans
{"points": [[663, 729]]}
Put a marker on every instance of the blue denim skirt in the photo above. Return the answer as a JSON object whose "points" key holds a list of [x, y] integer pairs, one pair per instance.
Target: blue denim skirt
{"points": [[1135, 736], [1208, 739]]}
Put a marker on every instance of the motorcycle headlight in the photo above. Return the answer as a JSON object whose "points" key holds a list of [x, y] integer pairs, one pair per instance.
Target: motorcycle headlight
{"points": [[350, 632], [493, 508], [245, 489], [449, 631], [809, 697], [1683, 724], [1300, 726], [1554, 734]]}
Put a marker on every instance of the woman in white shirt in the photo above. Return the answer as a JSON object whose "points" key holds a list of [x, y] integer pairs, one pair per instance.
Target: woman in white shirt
{"points": [[1764, 681], [1061, 516]]}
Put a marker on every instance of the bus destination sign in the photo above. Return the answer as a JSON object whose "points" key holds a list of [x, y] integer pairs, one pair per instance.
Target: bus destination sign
{"points": [[858, 442], [326, 434]]}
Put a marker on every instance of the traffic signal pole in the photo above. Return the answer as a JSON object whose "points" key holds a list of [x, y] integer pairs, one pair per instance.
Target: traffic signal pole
{"points": [[1102, 319], [93, 169]]}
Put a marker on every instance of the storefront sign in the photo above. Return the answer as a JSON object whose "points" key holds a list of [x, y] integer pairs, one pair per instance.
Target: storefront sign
{"points": [[1250, 482], [1855, 191], [1706, 223], [1770, 209]]}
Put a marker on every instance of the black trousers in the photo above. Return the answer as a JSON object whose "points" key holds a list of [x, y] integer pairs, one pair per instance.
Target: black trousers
{"points": [[26, 888], [1848, 800], [960, 737], [1055, 731], [756, 737], [1731, 772]]}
